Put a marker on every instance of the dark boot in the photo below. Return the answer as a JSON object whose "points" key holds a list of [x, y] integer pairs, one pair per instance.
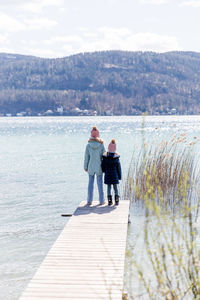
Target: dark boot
{"points": [[116, 200], [110, 200]]}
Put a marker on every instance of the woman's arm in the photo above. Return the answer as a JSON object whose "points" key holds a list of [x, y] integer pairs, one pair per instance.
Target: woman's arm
{"points": [[86, 158]]}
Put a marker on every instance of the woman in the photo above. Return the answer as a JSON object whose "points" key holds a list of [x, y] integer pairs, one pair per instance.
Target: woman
{"points": [[92, 164]]}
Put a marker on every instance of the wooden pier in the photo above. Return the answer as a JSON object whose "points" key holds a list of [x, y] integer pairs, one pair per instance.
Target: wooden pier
{"points": [[87, 259]]}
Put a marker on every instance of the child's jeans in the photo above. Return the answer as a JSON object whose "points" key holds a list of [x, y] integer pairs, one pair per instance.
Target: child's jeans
{"points": [[91, 188], [114, 187]]}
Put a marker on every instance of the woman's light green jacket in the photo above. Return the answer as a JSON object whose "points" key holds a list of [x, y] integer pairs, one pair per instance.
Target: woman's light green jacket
{"points": [[93, 157]]}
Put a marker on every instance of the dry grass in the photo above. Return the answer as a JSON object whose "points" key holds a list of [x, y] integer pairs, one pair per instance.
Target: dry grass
{"points": [[164, 179], [165, 172]]}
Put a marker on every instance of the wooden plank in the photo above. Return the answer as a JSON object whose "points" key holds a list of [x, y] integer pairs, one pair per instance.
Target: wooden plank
{"points": [[87, 260]]}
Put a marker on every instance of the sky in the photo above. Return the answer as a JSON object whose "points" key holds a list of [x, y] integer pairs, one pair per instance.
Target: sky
{"points": [[59, 28]]}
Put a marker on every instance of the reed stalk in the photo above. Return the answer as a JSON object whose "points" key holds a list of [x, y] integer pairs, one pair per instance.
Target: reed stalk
{"points": [[163, 178]]}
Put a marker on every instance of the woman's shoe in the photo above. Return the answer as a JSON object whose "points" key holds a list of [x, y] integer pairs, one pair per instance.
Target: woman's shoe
{"points": [[110, 200], [116, 200]]}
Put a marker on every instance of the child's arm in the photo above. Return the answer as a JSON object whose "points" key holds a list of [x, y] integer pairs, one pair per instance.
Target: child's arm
{"points": [[103, 165], [119, 170]]}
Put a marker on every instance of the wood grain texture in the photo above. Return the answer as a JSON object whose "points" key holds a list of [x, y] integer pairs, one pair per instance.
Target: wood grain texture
{"points": [[87, 259]]}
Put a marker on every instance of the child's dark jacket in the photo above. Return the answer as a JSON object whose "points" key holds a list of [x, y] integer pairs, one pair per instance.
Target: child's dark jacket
{"points": [[111, 167]]}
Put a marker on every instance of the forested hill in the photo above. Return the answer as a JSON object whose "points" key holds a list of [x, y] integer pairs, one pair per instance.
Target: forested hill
{"points": [[107, 82]]}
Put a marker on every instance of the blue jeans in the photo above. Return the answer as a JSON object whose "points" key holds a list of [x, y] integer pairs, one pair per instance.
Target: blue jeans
{"points": [[115, 189], [91, 188]]}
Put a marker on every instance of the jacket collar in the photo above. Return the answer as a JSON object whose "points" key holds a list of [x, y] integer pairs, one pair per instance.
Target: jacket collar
{"points": [[97, 140], [111, 154]]}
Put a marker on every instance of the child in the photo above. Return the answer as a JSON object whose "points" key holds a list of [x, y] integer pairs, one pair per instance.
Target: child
{"points": [[112, 168]]}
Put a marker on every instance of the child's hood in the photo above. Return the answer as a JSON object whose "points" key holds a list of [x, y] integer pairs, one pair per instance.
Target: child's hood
{"points": [[94, 145], [111, 155]]}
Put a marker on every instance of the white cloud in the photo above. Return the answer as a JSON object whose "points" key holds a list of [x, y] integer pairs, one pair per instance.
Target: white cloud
{"points": [[90, 34], [124, 39], [67, 50], [104, 38], [110, 31], [11, 2], [134, 42], [7, 50], [3, 39], [152, 42], [113, 39], [10, 24], [36, 6], [192, 3], [64, 39], [40, 23], [51, 2], [112, 2], [155, 2]]}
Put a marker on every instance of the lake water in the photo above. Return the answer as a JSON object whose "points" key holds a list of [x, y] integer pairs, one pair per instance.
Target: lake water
{"points": [[41, 176]]}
